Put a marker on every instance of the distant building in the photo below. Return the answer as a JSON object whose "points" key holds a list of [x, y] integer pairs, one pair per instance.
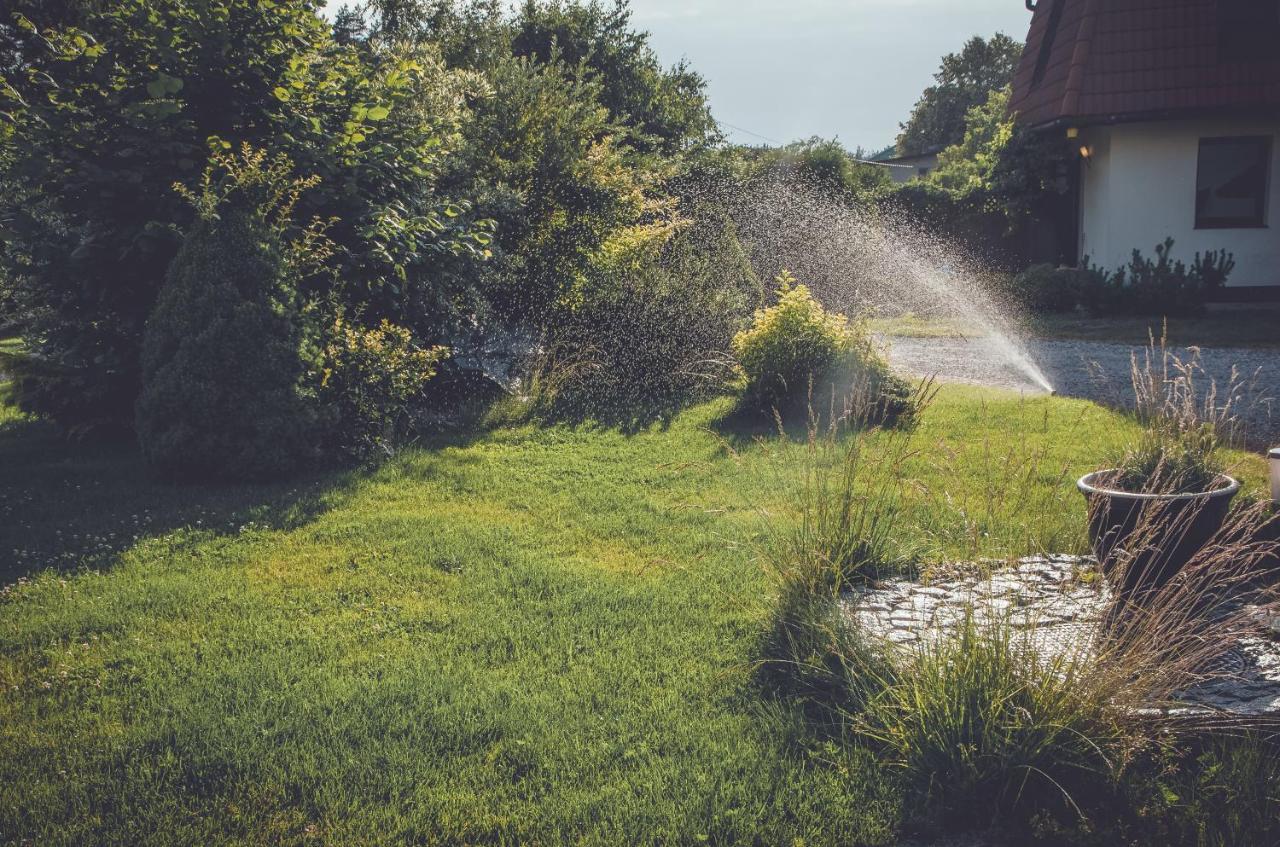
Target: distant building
{"points": [[1173, 109], [903, 168]]}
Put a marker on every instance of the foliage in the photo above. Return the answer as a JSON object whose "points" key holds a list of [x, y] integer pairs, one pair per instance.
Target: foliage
{"points": [[970, 163], [999, 159], [115, 102], [549, 169], [826, 164], [818, 164], [1044, 288], [796, 347], [380, 127], [964, 80], [660, 110], [1217, 792], [370, 382], [1162, 286], [990, 187], [570, 146], [476, 165], [227, 358], [653, 336]]}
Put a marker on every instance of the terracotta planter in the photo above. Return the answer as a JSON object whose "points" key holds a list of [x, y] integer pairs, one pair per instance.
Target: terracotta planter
{"points": [[1179, 526]]}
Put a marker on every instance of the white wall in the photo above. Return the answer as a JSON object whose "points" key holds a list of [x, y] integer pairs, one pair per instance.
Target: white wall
{"points": [[908, 168], [1139, 186]]}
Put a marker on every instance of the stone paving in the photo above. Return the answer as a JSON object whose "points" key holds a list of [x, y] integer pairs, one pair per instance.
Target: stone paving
{"points": [[1057, 603]]}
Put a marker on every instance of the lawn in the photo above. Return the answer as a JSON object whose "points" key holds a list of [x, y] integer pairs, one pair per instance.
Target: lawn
{"points": [[537, 635]]}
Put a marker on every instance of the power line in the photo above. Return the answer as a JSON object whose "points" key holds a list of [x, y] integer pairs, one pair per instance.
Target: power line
{"points": [[749, 132]]}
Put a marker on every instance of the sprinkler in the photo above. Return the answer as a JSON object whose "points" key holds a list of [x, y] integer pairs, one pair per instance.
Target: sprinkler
{"points": [[1274, 456]]}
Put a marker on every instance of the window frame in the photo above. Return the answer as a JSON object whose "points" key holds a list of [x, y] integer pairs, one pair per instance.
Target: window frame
{"points": [[1258, 220]]}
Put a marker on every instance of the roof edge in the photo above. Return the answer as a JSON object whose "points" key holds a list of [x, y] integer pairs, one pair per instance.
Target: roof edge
{"points": [[1157, 115]]}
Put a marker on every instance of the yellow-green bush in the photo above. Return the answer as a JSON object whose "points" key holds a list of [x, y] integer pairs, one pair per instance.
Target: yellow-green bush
{"points": [[796, 345], [370, 381]]}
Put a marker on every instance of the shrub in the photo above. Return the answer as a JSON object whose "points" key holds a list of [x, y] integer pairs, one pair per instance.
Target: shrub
{"points": [[635, 352], [1184, 426], [1045, 288], [653, 328], [371, 380], [111, 103], [228, 359], [1161, 286], [796, 347]]}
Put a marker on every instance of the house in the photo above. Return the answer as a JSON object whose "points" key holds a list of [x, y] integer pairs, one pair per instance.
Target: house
{"points": [[903, 168], [1172, 112]]}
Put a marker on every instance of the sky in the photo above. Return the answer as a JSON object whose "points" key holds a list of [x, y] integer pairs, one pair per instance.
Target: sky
{"points": [[782, 70]]}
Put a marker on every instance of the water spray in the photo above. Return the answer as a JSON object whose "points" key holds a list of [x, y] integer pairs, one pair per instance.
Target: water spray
{"points": [[862, 261]]}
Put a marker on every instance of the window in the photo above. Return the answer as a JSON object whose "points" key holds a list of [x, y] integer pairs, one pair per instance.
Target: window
{"points": [[1231, 182], [1046, 42]]}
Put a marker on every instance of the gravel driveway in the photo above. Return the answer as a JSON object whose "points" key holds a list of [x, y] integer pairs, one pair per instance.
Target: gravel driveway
{"points": [[1096, 370]]}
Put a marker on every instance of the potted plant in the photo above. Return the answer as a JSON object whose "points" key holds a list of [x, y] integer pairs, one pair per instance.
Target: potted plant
{"points": [[1167, 496]]}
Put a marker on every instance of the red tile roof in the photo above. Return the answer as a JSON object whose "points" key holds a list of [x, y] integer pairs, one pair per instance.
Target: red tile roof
{"points": [[1132, 59]]}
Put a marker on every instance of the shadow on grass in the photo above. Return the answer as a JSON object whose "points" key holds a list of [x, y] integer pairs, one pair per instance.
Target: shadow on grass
{"points": [[67, 505], [742, 425]]}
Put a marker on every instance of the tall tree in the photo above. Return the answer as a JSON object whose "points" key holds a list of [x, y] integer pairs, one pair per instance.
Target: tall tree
{"points": [[964, 80], [662, 109]]}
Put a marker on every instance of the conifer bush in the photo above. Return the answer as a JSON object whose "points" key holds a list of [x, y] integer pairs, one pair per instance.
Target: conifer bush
{"points": [[229, 357]]}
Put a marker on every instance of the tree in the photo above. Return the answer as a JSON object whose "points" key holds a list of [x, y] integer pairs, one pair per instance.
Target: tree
{"points": [[1016, 169], [546, 162], [971, 163], [662, 110], [114, 103], [964, 80]]}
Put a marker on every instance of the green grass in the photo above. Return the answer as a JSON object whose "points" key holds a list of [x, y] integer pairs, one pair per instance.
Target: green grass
{"points": [[911, 325], [534, 635]]}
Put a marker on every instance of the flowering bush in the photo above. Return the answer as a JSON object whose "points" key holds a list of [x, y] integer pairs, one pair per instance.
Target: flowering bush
{"points": [[370, 381]]}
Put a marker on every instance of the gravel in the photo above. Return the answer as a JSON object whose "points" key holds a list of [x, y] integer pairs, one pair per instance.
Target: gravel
{"points": [[1095, 370]]}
